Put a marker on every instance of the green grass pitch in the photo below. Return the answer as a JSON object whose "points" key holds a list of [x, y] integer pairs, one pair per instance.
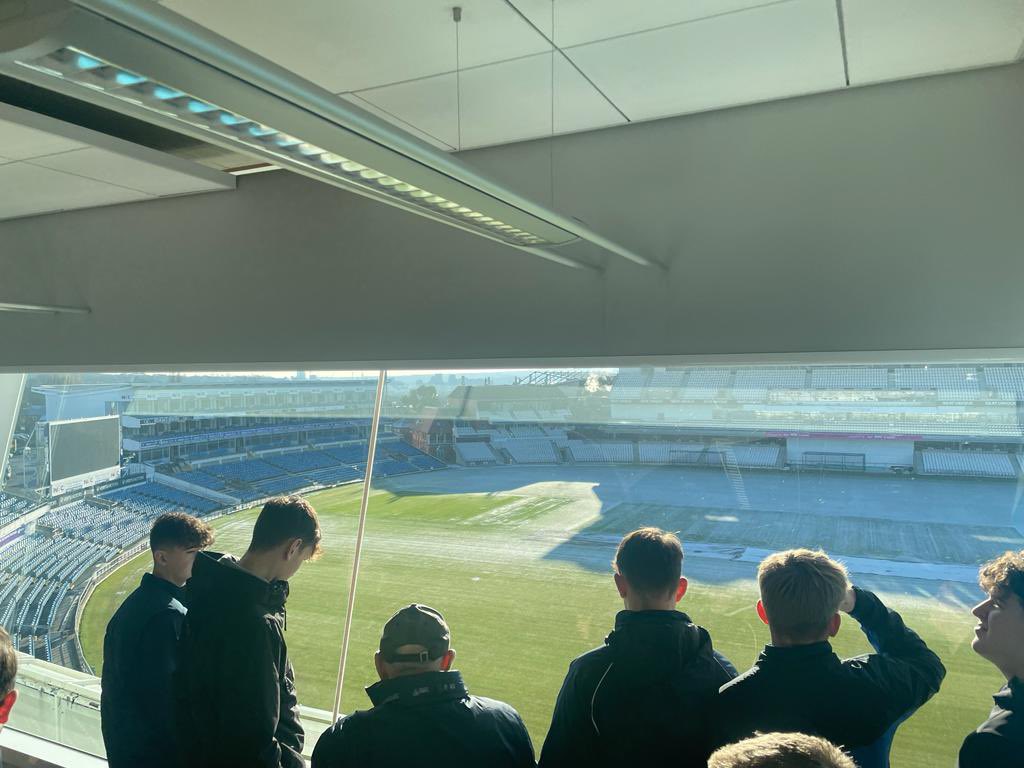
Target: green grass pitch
{"points": [[518, 617]]}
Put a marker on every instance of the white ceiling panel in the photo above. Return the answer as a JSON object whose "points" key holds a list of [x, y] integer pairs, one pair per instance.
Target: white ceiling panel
{"points": [[114, 168], [766, 53], [889, 40], [501, 103], [383, 114], [41, 190], [21, 142], [350, 45], [586, 21]]}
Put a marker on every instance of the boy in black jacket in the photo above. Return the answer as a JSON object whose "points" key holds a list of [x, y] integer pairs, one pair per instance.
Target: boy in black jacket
{"points": [[999, 637], [140, 649], [643, 698], [799, 684], [235, 687]]}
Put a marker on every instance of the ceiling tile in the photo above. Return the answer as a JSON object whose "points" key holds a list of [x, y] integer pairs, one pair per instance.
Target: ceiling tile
{"points": [[349, 45], [383, 114], [21, 142], [41, 190], [765, 53], [586, 21], [501, 103], [113, 168], [887, 40]]}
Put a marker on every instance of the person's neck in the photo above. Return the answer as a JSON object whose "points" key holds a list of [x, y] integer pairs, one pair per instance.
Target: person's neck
{"points": [[259, 564], [785, 642], [649, 605], [161, 573], [1012, 671]]}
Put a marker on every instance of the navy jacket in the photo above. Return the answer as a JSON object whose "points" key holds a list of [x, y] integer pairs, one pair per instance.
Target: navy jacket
{"points": [[856, 703], [643, 698], [136, 703], [234, 686], [999, 741], [426, 720]]}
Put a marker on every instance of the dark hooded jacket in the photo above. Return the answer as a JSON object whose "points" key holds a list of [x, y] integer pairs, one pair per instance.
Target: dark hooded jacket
{"points": [[234, 686], [1000, 739], [139, 651], [423, 721], [643, 698]]}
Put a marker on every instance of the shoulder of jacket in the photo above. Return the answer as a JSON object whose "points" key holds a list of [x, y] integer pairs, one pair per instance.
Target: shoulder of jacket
{"points": [[732, 687]]}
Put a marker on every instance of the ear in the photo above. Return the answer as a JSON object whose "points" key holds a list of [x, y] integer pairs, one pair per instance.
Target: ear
{"points": [[378, 664], [833, 625], [448, 660], [5, 706], [159, 557], [681, 589], [622, 585], [293, 549], [762, 614]]}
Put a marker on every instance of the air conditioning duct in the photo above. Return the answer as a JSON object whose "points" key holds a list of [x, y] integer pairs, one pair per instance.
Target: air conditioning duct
{"points": [[151, 63]]}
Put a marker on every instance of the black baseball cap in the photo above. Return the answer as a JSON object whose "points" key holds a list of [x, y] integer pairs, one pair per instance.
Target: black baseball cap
{"points": [[415, 625]]}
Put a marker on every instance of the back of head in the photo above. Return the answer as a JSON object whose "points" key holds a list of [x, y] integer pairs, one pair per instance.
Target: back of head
{"points": [[8, 672], [1004, 576], [284, 519], [651, 560], [179, 530], [781, 750], [415, 639], [801, 591]]}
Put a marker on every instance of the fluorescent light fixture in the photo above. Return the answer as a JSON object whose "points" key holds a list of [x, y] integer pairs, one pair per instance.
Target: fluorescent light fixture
{"points": [[148, 62], [46, 309]]}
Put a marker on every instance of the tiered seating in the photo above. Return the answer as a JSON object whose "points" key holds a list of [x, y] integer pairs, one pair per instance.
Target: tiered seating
{"points": [[353, 453], [969, 463], [756, 455], [607, 453], [705, 383], [770, 378], [339, 474], [199, 477], [423, 461], [302, 462], [669, 453], [475, 453], [834, 377], [12, 507], [954, 382], [526, 430], [399, 449], [388, 467], [246, 471], [530, 451], [283, 485], [1007, 380], [629, 384]]}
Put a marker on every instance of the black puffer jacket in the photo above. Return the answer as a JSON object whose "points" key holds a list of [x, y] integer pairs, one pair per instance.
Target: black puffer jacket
{"points": [[641, 699], [234, 686], [423, 721]]}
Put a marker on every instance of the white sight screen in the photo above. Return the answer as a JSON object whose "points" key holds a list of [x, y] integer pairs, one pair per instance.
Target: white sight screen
{"points": [[81, 447]]}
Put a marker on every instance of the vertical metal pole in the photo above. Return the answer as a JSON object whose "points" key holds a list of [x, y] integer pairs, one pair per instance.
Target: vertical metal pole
{"points": [[367, 480]]}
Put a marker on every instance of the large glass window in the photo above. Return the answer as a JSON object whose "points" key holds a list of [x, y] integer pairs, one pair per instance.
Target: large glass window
{"points": [[498, 498]]}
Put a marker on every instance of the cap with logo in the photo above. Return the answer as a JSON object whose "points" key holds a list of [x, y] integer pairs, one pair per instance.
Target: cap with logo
{"points": [[417, 625]]}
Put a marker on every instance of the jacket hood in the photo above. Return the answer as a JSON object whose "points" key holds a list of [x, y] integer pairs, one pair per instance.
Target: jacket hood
{"points": [[219, 582], [658, 645]]}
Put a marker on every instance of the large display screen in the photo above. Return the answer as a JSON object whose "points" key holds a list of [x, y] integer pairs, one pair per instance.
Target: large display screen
{"points": [[84, 446]]}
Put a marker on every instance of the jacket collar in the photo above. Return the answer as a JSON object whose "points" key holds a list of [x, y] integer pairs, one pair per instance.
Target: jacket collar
{"points": [[625, 619], [220, 577], [795, 654], [426, 688], [149, 581], [1011, 695]]}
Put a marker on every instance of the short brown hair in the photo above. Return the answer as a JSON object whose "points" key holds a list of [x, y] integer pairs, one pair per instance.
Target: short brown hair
{"points": [[283, 518], [781, 750], [8, 663], [650, 559], [801, 590], [178, 529], [1004, 575]]}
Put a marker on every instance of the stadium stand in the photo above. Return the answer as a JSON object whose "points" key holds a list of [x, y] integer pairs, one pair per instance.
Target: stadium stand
{"points": [[629, 384], [951, 382], [352, 453], [12, 507], [475, 453], [668, 453], [301, 462], [530, 451], [849, 378], [201, 478], [251, 471], [756, 455], [968, 463], [335, 475], [284, 485], [609, 453], [1006, 380]]}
